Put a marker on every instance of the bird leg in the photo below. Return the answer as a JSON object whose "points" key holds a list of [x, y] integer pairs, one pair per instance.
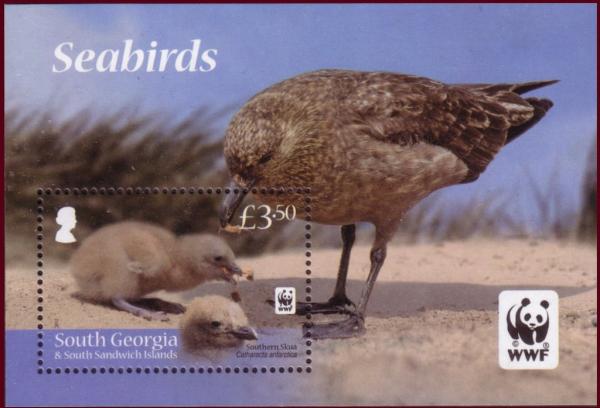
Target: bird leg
{"points": [[339, 297], [377, 258], [354, 325], [124, 305], [159, 305], [339, 301]]}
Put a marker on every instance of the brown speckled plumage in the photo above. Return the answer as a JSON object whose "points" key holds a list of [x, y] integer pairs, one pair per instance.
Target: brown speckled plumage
{"points": [[370, 145], [347, 133]]}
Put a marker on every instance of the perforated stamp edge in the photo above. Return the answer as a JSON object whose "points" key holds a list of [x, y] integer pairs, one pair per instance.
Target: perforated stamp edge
{"points": [[121, 191]]}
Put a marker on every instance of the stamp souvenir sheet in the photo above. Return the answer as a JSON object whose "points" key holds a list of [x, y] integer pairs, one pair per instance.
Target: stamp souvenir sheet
{"points": [[309, 204]]}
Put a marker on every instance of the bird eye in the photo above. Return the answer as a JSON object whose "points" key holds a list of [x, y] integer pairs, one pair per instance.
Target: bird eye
{"points": [[218, 258], [215, 324], [265, 158]]}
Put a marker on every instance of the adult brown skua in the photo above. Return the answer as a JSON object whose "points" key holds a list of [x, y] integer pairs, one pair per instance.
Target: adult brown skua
{"points": [[369, 145]]}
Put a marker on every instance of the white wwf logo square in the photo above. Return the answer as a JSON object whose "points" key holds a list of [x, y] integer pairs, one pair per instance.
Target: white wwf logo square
{"points": [[528, 329], [285, 300]]}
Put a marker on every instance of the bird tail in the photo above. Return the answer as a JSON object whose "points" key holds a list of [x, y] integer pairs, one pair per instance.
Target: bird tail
{"points": [[540, 107], [525, 87], [506, 93], [519, 89]]}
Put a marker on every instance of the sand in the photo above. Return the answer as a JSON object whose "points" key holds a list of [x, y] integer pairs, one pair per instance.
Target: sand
{"points": [[432, 325]]}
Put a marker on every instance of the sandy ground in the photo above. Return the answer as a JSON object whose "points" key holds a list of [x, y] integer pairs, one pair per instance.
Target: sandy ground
{"points": [[431, 329]]}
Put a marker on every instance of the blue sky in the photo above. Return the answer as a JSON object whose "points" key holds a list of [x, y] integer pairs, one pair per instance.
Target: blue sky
{"points": [[262, 44]]}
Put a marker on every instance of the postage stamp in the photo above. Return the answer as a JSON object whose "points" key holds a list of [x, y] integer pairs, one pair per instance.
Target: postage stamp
{"points": [[213, 309]]}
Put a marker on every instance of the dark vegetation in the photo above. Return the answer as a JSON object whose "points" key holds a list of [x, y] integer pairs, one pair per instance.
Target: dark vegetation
{"points": [[588, 220], [147, 151], [124, 150]]}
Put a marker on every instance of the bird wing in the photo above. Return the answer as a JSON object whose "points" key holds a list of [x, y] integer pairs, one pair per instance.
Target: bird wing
{"points": [[147, 249], [405, 110], [145, 267]]}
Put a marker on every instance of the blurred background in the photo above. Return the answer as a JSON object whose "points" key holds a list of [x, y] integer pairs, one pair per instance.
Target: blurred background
{"points": [[145, 129]]}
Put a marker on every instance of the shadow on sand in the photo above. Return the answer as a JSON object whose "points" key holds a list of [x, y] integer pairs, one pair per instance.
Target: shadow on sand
{"points": [[390, 299]]}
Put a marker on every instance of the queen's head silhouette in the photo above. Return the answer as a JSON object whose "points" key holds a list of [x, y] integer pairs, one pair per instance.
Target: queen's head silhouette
{"points": [[67, 221]]}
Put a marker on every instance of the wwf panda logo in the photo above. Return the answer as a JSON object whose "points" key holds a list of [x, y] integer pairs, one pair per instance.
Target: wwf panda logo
{"points": [[285, 297], [528, 321], [285, 300]]}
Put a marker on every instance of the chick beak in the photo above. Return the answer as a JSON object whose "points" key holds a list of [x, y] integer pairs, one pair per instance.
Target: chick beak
{"points": [[230, 270], [231, 203], [244, 333], [234, 269]]}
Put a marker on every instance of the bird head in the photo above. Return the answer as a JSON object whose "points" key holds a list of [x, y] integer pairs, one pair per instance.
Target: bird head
{"points": [[214, 322], [208, 257], [259, 148], [252, 143]]}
